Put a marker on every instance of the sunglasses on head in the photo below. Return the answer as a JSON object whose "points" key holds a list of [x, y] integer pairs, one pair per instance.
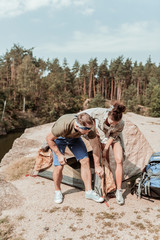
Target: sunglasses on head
{"points": [[82, 127]]}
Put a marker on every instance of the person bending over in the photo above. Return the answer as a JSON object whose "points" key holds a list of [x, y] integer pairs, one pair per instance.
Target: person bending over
{"points": [[67, 131], [109, 125]]}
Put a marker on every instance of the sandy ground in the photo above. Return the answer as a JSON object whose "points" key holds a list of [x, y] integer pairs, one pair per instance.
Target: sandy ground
{"points": [[38, 217]]}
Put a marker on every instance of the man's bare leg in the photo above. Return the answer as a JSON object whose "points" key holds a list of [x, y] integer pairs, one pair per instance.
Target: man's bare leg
{"points": [[57, 177], [86, 173]]}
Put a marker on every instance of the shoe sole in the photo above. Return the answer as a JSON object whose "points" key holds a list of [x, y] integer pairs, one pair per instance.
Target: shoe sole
{"points": [[120, 203], [58, 201], [95, 200]]}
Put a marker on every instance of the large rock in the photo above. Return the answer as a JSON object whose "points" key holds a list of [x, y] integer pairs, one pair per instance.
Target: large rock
{"points": [[28, 144], [9, 195]]}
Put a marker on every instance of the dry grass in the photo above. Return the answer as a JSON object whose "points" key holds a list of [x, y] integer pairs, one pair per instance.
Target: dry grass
{"points": [[105, 215], [89, 236], [78, 211], [20, 218], [54, 209], [7, 230], [140, 226], [18, 168]]}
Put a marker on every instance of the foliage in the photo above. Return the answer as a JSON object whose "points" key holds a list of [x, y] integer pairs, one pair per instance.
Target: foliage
{"points": [[98, 101], [49, 90], [130, 98], [155, 101]]}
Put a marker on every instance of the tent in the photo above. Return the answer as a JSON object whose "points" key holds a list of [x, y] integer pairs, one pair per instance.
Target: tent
{"points": [[137, 154]]}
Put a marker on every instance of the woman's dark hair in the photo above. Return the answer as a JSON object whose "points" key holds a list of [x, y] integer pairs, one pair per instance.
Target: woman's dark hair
{"points": [[116, 113]]}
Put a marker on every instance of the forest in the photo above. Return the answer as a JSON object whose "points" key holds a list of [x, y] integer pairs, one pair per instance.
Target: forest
{"points": [[46, 90]]}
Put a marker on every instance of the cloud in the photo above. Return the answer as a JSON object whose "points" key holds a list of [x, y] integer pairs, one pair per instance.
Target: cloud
{"points": [[88, 11], [139, 36], [11, 8]]}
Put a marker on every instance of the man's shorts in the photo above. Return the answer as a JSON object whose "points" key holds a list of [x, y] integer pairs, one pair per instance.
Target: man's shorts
{"points": [[76, 145]]}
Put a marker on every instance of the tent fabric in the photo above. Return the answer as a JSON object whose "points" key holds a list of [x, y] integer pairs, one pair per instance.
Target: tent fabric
{"points": [[43, 167]]}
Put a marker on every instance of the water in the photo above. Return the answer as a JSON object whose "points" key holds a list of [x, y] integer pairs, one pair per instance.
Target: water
{"points": [[6, 142]]}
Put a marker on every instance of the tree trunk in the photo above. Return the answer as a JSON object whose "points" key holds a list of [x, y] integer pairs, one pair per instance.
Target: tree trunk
{"points": [[119, 91], [24, 104], [112, 88], [90, 86], [4, 106], [138, 85], [84, 86], [103, 86], [105, 93], [94, 87]]}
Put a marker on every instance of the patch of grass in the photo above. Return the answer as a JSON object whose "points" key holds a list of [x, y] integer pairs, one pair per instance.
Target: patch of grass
{"points": [[7, 230], [73, 228], [104, 215], [67, 238], [123, 226], [136, 237], [140, 226], [4, 220], [77, 211], [88, 226], [108, 224], [18, 168], [138, 217], [136, 212], [122, 214], [147, 210], [156, 228], [21, 217], [66, 208], [41, 236], [84, 237], [54, 209], [156, 237]]}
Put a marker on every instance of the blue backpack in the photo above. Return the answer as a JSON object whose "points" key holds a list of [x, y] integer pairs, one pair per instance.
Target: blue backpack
{"points": [[149, 182]]}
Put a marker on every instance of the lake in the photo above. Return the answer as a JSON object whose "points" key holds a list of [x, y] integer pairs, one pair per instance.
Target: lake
{"points": [[6, 142]]}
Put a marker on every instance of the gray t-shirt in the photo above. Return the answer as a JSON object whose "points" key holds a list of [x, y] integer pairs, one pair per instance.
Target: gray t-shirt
{"points": [[64, 127]]}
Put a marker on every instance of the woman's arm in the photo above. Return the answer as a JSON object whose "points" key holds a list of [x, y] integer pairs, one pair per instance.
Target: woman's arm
{"points": [[108, 144]]}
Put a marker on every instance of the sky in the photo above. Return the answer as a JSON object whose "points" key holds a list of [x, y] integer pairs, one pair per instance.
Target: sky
{"points": [[82, 29]]}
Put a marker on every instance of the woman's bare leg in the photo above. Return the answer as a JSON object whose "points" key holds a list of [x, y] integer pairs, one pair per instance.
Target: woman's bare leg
{"points": [[118, 155]]}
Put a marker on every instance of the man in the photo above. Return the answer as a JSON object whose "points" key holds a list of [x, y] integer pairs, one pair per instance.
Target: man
{"points": [[67, 131]]}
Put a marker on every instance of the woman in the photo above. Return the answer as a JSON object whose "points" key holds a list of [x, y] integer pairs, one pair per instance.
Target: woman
{"points": [[109, 124]]}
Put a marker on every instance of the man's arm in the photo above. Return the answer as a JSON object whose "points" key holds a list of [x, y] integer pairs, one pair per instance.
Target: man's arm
{"points": [[96, 156], [50, 140]]}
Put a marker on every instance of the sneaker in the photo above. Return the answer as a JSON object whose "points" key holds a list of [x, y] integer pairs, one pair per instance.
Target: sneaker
{"points": [[93, 196], [58, 197], [119, 197]]}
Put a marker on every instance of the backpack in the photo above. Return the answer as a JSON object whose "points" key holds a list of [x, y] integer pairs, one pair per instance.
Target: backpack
{"points": [[149, 182]]}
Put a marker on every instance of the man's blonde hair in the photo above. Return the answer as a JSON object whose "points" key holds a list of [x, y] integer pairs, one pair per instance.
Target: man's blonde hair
{"points": [[85, 119]]}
